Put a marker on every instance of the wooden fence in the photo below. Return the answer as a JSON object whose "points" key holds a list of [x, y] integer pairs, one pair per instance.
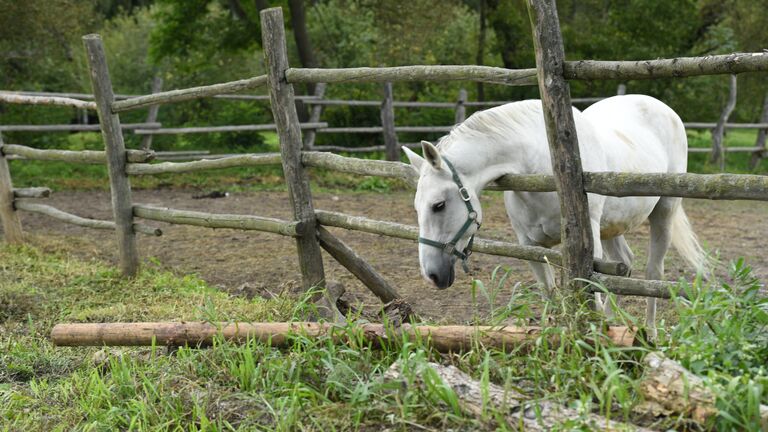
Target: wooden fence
{"points": [[388, 129], [306, 225]]}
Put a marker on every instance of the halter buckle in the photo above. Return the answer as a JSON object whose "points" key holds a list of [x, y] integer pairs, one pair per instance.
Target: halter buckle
{"points": [[449, 248], [464, 194]]}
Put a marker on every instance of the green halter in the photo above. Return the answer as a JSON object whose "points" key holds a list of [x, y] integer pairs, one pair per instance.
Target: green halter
{"points": [[450, 247]]}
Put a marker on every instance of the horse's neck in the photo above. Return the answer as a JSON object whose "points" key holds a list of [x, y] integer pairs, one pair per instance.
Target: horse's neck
{"points": [[484, 162]]}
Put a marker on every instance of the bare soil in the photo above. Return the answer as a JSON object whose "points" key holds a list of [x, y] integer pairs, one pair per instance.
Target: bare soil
{"points": [[261, 264]]}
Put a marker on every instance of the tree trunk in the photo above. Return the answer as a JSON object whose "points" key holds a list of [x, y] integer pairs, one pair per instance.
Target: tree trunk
{"points": [[757, 156], [718, 149], [301, 36]]}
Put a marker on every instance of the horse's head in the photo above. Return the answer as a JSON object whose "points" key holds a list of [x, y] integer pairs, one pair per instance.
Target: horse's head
{"points": [[449, 214]]}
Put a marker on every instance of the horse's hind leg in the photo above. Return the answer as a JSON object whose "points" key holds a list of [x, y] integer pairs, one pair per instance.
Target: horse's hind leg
{"points": [[617, 249], [661, 238]]}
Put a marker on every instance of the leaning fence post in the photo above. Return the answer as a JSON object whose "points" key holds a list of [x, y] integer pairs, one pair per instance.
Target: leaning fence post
{"points": [[314, 117], [461, 108], [388, 125], [757, 156], [120, 186], [287, 122], [718, 149], [575, 224], [157, 87], [10, 219]]}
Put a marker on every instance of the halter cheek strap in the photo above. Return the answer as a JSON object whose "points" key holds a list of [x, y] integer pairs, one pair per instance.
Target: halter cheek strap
{"points": [[450, 247]]}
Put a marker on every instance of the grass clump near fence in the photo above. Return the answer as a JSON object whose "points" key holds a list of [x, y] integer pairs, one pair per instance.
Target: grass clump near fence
{"points": [[317, 384]]}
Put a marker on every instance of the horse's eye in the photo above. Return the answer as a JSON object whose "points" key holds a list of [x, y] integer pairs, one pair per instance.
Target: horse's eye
{"points": [[437, 207]]}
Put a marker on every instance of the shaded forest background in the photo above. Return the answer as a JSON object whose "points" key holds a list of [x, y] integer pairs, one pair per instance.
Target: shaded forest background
{"points": [[194, 42]]}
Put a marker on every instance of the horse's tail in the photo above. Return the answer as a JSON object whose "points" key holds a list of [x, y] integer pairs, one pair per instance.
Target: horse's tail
{"points": [[687, 244]]}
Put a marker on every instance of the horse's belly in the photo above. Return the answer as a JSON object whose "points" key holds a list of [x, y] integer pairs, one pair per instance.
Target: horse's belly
{"points": [[621, 215]]}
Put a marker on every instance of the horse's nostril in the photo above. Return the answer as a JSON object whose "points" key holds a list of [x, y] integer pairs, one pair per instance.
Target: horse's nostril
{"points": [[433, 278]]}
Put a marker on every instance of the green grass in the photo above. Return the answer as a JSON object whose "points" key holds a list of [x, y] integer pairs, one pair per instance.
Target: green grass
{"points": [[737, 163], [319, 385]]}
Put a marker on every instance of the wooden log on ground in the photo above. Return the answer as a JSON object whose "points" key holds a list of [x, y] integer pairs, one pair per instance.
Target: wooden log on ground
{"points": [[174, 96], [216, 129], [207, 164], [518, 412], [314, 116], [762, 134], [666, 68], [287, 120], [491, 247], [81, 221], [71, 127], [575, 225], [453, 338], [12, 231], [157, 86], [718, 151], [670, 389], [357, 266], [15, 98], [32, 192], [213, 220], [112, 133], [76, 156], [388, 125], [414, 73]]}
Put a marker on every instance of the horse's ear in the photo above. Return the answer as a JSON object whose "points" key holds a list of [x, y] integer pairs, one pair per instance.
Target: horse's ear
{"points": [[416, 161], [432, 155]]}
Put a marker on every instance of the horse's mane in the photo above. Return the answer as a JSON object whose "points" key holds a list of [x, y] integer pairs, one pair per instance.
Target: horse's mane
{"points": [[498, 123]]}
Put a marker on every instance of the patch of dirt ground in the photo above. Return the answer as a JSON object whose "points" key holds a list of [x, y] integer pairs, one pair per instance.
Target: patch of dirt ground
{"points": [[253, 263]]}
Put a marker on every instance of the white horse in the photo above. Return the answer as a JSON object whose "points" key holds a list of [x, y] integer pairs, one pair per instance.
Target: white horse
{"points": [[631, 133]]}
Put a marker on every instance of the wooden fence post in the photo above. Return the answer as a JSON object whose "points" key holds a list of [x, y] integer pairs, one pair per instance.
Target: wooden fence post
{"points": [[575, 224], [287, 122], [10, 219], [120, 186], [718, 149], [388, 125], [757, 156], [314, 117], [621, 89], [461, 109], [157, 87]]}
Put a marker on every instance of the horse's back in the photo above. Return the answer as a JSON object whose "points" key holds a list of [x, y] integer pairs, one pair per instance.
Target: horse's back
{"points": [[639, 134]]}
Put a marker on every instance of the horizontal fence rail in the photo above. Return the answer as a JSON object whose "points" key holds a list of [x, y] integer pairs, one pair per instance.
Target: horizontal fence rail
{"points": [[667, 68], [181, 95], [16, 98], [213, 220], [698, 125], [214, 129], [72, 127], [70, 218], [31, 192], [76, 156], [486, 74], [255, 159], [490, 247]]}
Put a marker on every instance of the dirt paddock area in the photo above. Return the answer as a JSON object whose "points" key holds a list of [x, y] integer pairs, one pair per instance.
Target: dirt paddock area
{"points": [[261, 264]]}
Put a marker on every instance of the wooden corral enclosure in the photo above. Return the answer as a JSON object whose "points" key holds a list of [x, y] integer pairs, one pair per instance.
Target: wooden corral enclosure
{"points": [[551, 75]]}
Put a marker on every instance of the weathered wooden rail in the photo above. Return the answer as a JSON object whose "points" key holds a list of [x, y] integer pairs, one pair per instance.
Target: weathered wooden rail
{"points": [[307, 224]]}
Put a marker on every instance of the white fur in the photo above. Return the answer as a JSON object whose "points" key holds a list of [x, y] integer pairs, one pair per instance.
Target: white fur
{"points": [[631, 133]]}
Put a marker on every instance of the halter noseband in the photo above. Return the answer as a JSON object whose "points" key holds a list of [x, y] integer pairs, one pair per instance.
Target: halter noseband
{"points": [[450, 247]]}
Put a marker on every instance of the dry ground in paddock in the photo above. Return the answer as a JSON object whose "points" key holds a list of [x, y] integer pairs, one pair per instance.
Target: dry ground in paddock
{"points": [[252, 263]]}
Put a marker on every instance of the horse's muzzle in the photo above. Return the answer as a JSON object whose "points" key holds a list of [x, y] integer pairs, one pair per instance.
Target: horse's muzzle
{"points": [[441, 275]]}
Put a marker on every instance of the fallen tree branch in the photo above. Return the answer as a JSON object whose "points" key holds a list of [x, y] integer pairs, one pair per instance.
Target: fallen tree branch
{"points": [[520, 412]]}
